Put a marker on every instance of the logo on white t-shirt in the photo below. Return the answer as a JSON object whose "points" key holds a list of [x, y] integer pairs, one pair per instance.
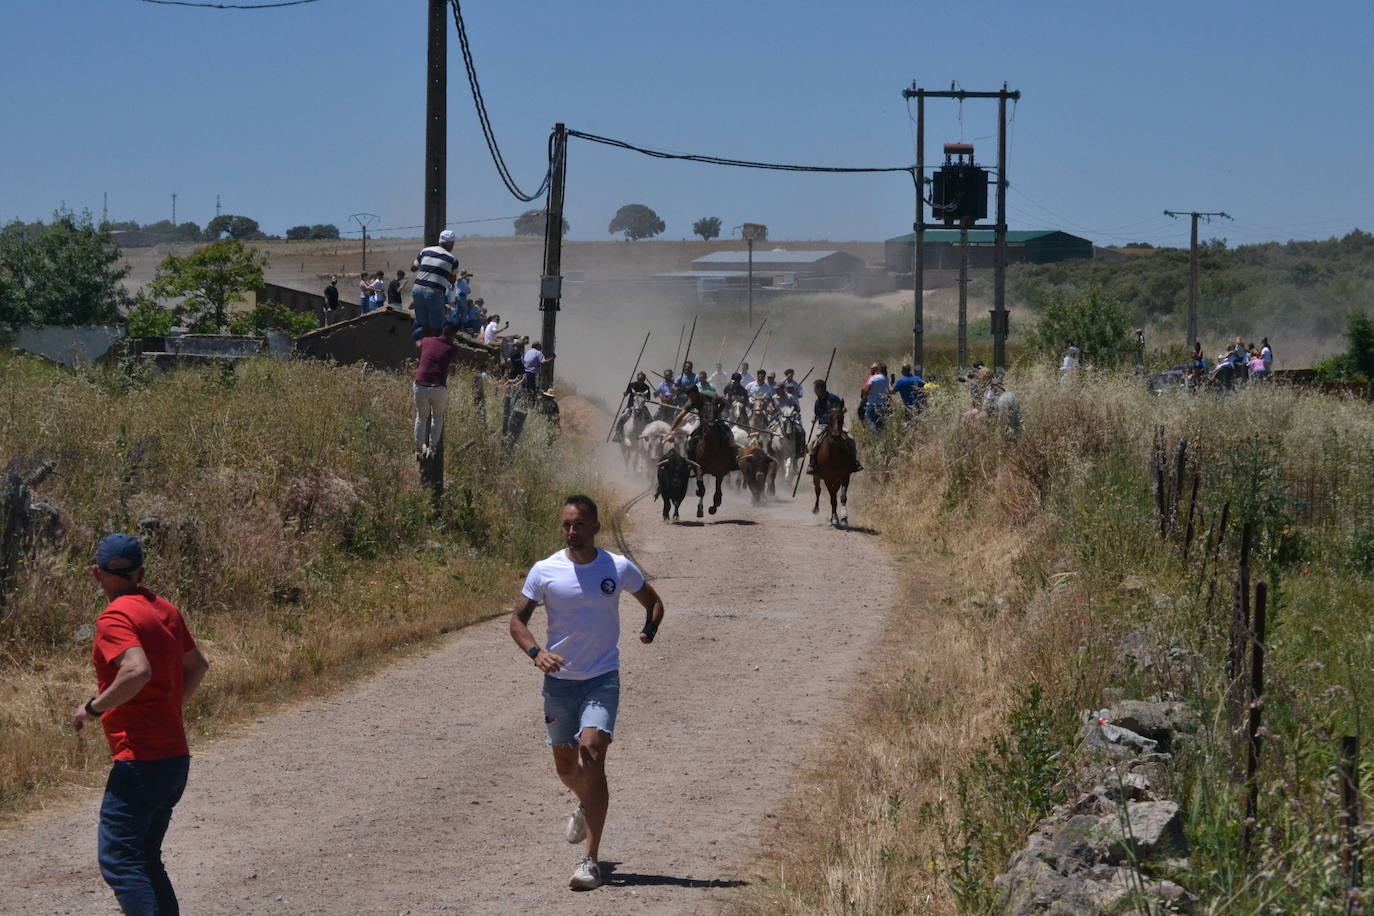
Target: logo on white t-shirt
{"points": [[608, 586]]}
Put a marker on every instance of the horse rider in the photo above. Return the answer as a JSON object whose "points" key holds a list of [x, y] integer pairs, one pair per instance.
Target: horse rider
{"points": [[789, 381], [687, 379], [705, 387], [667, 396], [706, 405], [829, 404], [638, 388], [736, 392], [787, 397], [760, 387], [718, 378]]}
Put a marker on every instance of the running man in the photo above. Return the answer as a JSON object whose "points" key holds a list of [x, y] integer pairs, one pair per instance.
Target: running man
{"points": [[580, 588]]}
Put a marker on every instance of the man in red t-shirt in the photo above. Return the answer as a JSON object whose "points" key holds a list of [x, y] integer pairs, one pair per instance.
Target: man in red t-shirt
{"points": [[431, 389], [147, 666]]}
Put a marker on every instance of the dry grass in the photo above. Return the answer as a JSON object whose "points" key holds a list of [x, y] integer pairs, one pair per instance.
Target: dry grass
{"points": [[1017, 555], [290, 528]]}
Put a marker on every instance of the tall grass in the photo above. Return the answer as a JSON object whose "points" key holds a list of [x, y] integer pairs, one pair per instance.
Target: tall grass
{"points": [[1029, 562], [283, 513]]}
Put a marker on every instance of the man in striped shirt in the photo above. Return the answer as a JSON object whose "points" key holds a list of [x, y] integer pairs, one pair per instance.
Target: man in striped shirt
{"points": [[435, 268]]}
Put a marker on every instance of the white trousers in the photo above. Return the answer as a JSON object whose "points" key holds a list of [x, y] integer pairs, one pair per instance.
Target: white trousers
{"points": [[430, 404]]}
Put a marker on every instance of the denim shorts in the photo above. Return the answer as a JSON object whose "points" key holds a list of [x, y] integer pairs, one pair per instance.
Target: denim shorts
{"points": [[570, 706]]}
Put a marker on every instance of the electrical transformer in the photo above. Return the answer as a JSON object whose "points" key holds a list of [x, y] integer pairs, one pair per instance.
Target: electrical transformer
{"points": [[959, 196]]}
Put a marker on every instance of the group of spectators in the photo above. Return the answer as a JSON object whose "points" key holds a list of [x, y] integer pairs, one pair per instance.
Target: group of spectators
{"points": [[875, 397], [1240, 361]]}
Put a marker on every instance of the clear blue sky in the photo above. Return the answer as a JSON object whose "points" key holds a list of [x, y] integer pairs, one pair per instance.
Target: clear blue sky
{"points": [[310, 113]]}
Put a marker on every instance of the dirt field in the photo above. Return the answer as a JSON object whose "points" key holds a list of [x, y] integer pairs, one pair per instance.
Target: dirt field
{"points": [[427, 788]]}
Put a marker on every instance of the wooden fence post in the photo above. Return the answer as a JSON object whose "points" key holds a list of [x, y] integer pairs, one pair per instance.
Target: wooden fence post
{"points": [[1252, 748], [1350, 802]]}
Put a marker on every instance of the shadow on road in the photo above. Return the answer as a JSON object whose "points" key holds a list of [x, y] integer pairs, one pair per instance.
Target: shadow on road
{"points": [[610, 872], [733, 521]]}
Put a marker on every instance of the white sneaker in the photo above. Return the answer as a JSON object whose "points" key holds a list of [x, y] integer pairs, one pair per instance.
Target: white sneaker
{"points": [[586, 876], [576, 831]]}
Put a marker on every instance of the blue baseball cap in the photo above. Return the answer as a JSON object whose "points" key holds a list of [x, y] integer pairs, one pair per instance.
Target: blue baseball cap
{"points": [[119, 554]]}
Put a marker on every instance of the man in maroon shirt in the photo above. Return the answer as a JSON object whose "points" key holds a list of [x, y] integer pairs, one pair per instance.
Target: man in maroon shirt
{"points": [[431, 389], [147, 666]]}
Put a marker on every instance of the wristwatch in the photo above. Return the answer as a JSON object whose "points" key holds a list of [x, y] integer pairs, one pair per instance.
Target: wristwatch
{"points": [[532, 652]]}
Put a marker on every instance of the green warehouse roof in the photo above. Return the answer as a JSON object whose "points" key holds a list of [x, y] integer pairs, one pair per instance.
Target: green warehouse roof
{"points": [[984, 236]]}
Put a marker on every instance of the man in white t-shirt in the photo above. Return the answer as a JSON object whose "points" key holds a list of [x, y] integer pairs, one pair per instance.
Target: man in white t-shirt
{"points": [[580, 589], [491, 333]]}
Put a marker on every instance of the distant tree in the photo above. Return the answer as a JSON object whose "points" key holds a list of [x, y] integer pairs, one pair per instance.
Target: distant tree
{"points": [[708, 227], [66, 272], [297, 233], [241, 228], [1359, 337], [531, 222], [148, 319], [209, 278], [1096, 323], [636, 221], [324, 231]]}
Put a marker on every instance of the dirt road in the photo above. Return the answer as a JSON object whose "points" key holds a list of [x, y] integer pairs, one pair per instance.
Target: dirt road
{"points": [[427, 788]]}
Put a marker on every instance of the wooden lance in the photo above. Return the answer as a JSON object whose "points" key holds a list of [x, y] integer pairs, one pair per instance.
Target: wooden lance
{"points": [[740, 364], [626, 394], [688, 352]]}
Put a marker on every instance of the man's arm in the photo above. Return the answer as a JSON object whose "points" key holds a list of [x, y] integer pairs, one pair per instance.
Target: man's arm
{"points": [[546, 661], [653, 608], [193, 668], [134, 672]]}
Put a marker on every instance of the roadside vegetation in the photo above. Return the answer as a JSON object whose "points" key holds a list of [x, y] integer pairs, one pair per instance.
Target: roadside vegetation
{"points": [[1032, 566], [284, 515], [1295, 292]]}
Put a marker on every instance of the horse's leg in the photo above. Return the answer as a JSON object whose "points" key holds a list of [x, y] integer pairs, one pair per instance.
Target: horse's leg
{"points": [[715, 500], [834, 509], [844, 504], [817, 507], [701, 494]]}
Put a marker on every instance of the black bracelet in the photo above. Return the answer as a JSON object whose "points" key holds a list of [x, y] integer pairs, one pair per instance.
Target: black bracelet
{"points": [[90, 711], [650, 629], [532, 652]]}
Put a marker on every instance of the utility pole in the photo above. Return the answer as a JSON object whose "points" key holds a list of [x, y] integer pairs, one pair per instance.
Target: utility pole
{"points": [[436, 122], [999, 264], [216, 206], [961, 344], [174, 208], [364, 220], [105, 207], [1192, 268], [1000, 321], [551, 285], [918, 244]]}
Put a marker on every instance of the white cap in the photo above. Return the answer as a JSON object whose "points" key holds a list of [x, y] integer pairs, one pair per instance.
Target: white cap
{"points": [[447, 236]]}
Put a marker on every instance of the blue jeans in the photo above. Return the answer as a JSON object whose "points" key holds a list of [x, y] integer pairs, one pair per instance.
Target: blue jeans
{"points": [[429, 311], [139, 798]]}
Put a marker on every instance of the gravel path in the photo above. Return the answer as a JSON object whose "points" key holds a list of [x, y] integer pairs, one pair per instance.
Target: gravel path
{"points": [[427, 788]]}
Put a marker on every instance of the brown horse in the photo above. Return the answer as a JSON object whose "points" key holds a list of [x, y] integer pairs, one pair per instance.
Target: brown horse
{"points": [[834, 464], [713, 452]]}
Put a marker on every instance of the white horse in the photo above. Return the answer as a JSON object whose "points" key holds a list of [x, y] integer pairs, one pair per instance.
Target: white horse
{"points": [[790, 444]]}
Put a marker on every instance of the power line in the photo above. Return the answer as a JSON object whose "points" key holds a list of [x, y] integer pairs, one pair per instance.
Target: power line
{"points": [[736, 163], [459, 222], [487, 133], [231, 6]]}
